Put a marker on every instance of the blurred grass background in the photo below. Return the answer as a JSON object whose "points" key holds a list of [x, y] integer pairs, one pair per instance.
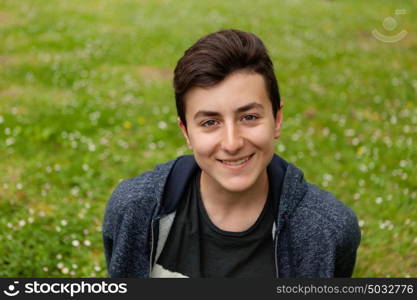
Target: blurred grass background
{"points": [[86, 99]]}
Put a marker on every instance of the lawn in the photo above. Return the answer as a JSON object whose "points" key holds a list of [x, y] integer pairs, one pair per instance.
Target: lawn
{"points": [[86, 100]]}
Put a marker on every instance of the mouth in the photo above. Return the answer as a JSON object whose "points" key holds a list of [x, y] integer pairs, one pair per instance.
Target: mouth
{"points": [[238, 162]]}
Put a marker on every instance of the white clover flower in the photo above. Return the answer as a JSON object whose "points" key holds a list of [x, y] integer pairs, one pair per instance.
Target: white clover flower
{"points": [[386, 224], [65, 270], [10, 141], [355, 141], [349, 132], [281, 148], [75, 191], [91, 147], [363, 168], [75, 243], [64, 222], [328, 177], [87, 243], [104, 141]]}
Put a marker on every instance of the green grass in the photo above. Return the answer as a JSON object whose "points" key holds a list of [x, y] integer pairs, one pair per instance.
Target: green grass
{"points": [[85, 85]]}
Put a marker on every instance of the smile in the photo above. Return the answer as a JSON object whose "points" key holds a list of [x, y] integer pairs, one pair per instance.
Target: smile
{"points": [[235, 163]]}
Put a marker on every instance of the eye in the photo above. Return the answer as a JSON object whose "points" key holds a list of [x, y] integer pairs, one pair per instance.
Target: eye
{"points": [[209, 123], [250, 117]]}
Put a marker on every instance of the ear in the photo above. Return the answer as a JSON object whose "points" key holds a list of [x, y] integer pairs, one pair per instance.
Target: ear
{"points": [[184, 133], [278, 122]]}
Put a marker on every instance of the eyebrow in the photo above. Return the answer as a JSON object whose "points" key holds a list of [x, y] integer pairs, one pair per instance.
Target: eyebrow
{"points": [[208, 113]]}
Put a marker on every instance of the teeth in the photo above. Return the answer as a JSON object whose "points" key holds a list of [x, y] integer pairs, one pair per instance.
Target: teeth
{"points": [[236, 162]]}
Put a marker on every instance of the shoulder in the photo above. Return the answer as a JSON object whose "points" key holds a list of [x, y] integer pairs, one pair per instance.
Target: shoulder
{"points": [[321, 209], [147, 184], [328, 206], [314, 209], [136, 195]]}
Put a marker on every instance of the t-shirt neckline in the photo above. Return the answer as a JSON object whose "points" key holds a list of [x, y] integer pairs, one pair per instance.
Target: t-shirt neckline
{"points": [[213, 227]]}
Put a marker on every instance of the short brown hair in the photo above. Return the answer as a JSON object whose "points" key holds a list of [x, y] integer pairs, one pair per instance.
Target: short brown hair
{"points": [[217, 55]]}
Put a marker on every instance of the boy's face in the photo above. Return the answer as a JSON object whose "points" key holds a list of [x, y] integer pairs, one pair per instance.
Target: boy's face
{"points": [[231, 130]]}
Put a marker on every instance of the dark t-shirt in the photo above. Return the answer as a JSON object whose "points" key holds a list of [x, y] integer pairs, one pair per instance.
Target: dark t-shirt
{"points": [[195, 247]]}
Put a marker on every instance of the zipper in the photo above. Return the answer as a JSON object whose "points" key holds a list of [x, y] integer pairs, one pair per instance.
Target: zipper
{"points": [[284, 215], [276, 253], [152, 246]]}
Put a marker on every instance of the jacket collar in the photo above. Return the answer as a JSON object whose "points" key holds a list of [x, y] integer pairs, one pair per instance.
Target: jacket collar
{"points": [[180, 175]]}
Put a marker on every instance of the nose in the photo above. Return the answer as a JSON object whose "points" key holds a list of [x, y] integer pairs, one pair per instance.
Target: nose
{"points": [[232, 141]]}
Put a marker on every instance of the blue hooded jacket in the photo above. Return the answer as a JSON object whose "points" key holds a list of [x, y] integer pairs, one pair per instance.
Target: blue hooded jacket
{"points": [[314, 234]]}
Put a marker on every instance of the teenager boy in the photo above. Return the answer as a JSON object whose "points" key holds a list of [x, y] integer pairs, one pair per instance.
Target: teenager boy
{"points": [[233, 208]]}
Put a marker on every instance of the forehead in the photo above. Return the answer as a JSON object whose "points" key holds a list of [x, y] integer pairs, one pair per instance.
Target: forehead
{"points": [[236, 90]]}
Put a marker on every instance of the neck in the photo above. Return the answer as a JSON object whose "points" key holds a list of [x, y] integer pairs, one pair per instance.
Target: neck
{"points": [[215, 196]]}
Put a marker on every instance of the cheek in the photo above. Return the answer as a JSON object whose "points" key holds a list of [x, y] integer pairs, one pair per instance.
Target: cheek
{"points": [[263, 137], [203, 144]]}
